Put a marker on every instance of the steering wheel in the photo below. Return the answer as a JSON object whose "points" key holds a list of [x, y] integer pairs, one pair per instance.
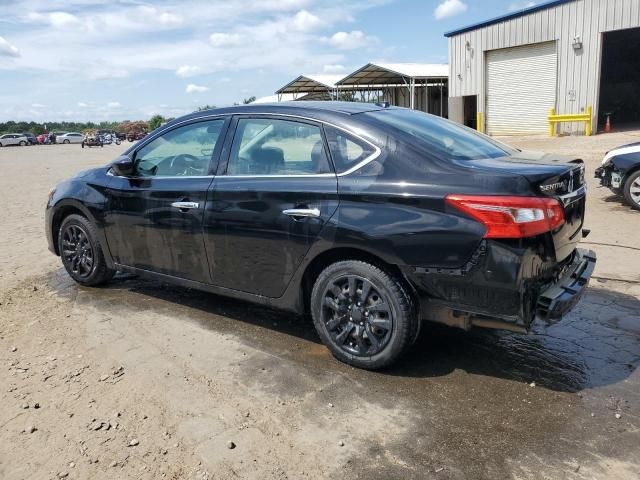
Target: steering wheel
{"points": [[183, 164]]}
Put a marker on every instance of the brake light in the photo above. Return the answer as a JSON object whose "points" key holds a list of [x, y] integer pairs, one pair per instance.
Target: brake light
{"points": [[511, 217]]}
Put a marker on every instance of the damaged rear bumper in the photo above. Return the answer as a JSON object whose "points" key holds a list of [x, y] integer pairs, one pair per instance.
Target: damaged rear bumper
{"points": [[558, 300], [505, 285]]}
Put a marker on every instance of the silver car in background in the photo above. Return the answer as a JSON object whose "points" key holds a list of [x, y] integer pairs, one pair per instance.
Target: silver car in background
{"points": [[13, 139], [71, 137]]}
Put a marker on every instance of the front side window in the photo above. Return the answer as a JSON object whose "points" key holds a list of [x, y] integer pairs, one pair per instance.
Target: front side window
{"points": [[184, 151], [264, 146], [443, 136]]}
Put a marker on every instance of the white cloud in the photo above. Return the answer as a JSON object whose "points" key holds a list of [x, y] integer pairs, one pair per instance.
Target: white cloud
{"points": [[350, 40], [68, 44], [225, 39], [185, 71], [449, 8], [113, 105], [7, 49], [335, 68], [63, 19], [520, 5], [192, 88], [164, 18], [105, 72], [305, 21], [38, 105]]}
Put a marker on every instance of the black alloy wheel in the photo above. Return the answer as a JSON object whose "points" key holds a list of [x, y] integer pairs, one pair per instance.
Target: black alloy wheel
{"points": [[77, 252], [363, 314], [356, 315], [81, 252]]}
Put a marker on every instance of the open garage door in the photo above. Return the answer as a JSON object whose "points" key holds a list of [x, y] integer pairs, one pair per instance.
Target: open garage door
{"points": [[620, 79], [521, 88]]}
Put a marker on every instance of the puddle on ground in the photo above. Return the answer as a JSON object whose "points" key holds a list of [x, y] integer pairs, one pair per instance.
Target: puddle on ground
{"points": [[597, 344]]}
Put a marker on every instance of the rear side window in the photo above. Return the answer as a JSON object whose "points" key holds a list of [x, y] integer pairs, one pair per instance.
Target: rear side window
{"points": [[347, 151], [269, 146], [443, 136]]}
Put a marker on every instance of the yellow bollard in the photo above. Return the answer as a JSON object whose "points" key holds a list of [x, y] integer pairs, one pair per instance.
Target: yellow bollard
{"points": [[479, 122], [552, 125], [587, 130]]}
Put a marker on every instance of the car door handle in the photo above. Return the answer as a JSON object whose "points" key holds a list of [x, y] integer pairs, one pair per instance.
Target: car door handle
{"points": [[302, 212], [185, 205]]}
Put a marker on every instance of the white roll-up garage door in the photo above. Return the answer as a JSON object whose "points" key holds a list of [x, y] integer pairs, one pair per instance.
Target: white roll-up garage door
{"points": [[521, 88]]}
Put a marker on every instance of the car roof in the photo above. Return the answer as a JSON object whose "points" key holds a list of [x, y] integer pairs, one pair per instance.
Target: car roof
{"points": [[302, 108]]}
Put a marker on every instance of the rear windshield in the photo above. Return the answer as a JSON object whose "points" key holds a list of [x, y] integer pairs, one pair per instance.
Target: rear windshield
{"points": [[443, 136]]}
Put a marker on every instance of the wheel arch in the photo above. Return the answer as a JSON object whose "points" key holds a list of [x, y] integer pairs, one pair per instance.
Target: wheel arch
{"points": [[633, 169]]}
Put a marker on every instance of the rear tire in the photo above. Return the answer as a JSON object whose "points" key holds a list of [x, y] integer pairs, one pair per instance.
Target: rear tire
{"points": [[81, 252], [23, 144], [364, 315], [631, 190], [66, 142]]}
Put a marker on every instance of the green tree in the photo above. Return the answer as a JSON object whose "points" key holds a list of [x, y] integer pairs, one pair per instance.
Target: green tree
{"points": [[156, 121], [249, 100], [205, 107]]}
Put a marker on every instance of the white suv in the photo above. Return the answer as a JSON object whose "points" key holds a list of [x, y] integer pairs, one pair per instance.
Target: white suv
{"points": [[13, 139]]}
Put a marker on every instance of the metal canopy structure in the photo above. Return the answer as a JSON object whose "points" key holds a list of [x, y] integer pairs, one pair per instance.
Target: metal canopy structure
{"points": [[395, 73], [416, 85], [311, 87]]}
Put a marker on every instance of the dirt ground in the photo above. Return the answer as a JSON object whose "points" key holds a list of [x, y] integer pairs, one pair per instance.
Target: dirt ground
{"points": [[144, 380]]}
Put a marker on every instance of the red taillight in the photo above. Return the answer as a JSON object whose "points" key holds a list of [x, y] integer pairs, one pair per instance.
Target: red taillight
{"points": [[511, 217]]}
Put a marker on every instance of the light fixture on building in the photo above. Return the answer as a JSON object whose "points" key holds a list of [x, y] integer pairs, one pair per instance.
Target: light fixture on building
{"points": [[577, 43]]}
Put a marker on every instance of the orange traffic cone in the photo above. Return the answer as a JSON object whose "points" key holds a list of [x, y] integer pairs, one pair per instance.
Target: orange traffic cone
{"points": [[607, 126]]}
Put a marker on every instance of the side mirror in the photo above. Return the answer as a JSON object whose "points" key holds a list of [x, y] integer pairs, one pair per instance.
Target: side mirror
{"points": [[123, 166]]}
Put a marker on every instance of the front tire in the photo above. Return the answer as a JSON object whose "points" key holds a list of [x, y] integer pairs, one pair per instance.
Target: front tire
{"points": [[66, 142], [631, 190], [81, 252], [364, 315], [23, 144]]}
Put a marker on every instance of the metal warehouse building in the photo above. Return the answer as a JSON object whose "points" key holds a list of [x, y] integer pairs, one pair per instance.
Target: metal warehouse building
{"points": [[565, 54]]}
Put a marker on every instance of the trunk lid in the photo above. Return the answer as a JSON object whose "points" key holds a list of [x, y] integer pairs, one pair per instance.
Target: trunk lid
{"points": [[552, 176]]}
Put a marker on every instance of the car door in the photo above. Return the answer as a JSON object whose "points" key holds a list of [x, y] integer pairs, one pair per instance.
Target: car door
{"points": [[274, 192], [154, 218]]}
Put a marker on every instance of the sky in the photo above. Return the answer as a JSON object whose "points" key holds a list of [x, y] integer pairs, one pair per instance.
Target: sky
{"points": [[91, 60]]}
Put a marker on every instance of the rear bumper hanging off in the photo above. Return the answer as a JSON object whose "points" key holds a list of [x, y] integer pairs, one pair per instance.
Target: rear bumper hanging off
{"points": [[557, 300]]}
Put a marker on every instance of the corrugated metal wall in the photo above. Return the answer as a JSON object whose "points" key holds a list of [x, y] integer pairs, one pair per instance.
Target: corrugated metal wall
{"points": [[578, 71]]}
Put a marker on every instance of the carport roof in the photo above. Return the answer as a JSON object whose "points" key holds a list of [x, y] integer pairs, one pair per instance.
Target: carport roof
{"points": [[311, 83], [394, 73]]}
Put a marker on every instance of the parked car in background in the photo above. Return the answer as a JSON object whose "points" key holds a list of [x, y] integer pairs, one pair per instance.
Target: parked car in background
{"points": [[13, 139], [371, 218], [31, 138], [135, 136], [121, 136], [92, 140], [71, 137], [54, 135], [620, 172]]}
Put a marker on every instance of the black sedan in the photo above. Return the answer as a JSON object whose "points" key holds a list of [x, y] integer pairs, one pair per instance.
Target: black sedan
{"points": [[370, 218]]}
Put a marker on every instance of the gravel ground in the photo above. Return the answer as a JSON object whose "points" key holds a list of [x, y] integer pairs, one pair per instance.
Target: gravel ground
{"points": [[145, 380]]}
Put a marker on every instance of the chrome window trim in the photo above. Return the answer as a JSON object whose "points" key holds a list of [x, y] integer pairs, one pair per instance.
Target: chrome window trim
{"points": [[160, 177], [358, 166]]}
